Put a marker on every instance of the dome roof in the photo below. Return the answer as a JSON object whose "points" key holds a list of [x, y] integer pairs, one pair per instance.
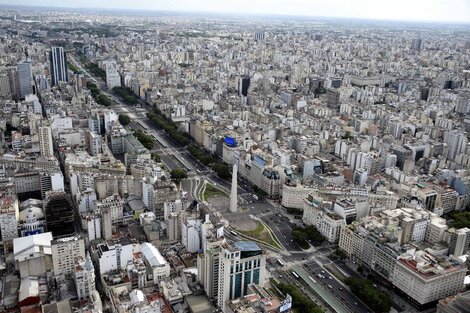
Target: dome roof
{"points": [[31, 213]]}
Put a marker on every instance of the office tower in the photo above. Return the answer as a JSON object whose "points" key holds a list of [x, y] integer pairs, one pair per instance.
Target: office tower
{"points": [[59, 213], [5, 91], [58, 65], [417, 44], [14, 83], [333, 99], [260, 35], [64, 252], [45, 140], [459, 241], [24, 78], [112, 76], [243, 85], [233, 193], [241, 264], [456, 142]]}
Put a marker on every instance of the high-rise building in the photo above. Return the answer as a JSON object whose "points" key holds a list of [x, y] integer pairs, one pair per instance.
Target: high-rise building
{"points": [[58, 65], [333, 98], [243, 85], [241, 264], [417, 44], [64, 252], [14, 83], [113, 79], [260, 36], [25, 77], [5, 91], [59, 213], [45, 140]]}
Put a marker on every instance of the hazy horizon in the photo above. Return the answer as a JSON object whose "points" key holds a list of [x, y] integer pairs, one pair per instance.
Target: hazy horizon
{"points": [[401, 10]]}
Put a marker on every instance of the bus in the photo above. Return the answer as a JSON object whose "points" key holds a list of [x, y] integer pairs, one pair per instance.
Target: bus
{"points": [[280, 262], [312, 279], [295, 274], [233, 233]]}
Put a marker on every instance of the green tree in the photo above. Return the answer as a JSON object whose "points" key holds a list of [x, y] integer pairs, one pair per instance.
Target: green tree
{"points": [[156, 157], [365, 290], [314, 235], [300, 302], [222, 170], [145, 140], [300, 238], [124, 119], [104, 100], [178, 174], [341, 254]]}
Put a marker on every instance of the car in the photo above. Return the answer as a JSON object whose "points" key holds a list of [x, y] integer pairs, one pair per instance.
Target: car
{"points": [[340, 288], [330, 277], [355, 303], [323, 272], [329, 286]]}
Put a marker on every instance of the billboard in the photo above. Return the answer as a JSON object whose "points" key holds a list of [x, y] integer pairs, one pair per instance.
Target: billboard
{"points": [[220, 232], [286, 304], [230, 141]]}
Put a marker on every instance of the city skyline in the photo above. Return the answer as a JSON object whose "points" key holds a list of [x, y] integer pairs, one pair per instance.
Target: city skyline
{"points": [[401, 10]]}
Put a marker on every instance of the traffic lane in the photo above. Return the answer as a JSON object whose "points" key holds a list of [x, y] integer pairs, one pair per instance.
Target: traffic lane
{"points": [[169, 162], [337, 289], [285, 229], [280, 231], [341, 265]]}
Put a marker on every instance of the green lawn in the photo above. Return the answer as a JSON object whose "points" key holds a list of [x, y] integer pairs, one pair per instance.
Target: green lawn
{"points": [[262, 234], [210, 191]]}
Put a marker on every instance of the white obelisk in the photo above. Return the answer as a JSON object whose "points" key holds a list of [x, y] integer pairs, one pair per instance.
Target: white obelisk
{"points": [[233, 194]]}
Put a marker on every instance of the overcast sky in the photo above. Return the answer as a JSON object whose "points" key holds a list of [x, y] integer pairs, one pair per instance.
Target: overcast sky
{"points": [[418, 10]]}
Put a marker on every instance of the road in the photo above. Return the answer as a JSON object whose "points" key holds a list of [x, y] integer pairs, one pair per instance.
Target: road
{"points": [[334, 287]]}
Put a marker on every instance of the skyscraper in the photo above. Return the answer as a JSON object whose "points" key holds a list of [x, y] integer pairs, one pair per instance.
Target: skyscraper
{"points": [[417, 44], [233, 194], [24, 78], [58, 64], [241, 264], [45, 140], [112, 76], [243, 85]]}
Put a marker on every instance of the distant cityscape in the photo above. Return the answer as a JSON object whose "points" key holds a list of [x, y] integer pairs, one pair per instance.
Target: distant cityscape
{"points": [[159, 162]]}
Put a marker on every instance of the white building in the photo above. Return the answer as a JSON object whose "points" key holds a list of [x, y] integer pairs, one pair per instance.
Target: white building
{"points": [[114, 204], [33, 254], [156, 264], [86, 201], [114, 255], [84, 276], [191, 234]]}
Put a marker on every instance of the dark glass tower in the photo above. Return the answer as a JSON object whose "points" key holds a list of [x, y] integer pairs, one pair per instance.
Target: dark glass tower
{"points": [[58, 62]]}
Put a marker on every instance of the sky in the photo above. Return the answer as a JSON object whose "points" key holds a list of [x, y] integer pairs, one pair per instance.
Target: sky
{"points": [[412, 10]]}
